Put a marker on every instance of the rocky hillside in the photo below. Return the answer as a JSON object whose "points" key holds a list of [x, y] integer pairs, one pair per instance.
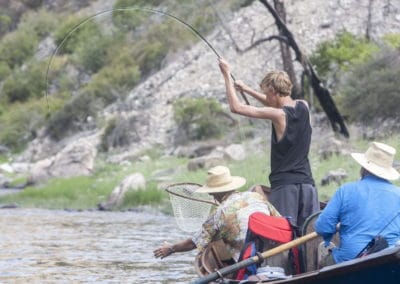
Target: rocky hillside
{"points": [[194, 72]]}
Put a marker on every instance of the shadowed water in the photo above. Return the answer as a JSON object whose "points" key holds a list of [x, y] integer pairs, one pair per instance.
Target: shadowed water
{"points": [[41, 246]]}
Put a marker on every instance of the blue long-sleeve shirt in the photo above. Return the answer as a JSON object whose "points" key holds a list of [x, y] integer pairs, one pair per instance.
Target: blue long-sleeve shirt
{"points": [[363, 208]]}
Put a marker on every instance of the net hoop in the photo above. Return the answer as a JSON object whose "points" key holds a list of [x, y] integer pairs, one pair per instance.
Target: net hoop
{"points": [[168, 189], [190, 209]]}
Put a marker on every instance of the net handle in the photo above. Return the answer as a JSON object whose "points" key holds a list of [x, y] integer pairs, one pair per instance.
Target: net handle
{"points": [[187, 197]]}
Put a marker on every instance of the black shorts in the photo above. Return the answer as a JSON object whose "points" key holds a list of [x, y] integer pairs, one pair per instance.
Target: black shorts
{"points": [[296, 201]]}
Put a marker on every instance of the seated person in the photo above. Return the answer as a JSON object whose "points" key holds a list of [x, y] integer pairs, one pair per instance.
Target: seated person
{"points": [[363, 207], [229, 221]]}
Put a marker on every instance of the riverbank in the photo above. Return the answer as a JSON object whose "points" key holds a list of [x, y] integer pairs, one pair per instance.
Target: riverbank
{"points": [[329, 153]]}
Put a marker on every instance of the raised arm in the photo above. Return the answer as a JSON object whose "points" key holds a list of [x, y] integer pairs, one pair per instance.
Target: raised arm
{"points": [[242, 87], [236, 106]]}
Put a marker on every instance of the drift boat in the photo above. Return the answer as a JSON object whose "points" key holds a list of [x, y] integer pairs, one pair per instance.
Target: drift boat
{"points": [[379, 267]]}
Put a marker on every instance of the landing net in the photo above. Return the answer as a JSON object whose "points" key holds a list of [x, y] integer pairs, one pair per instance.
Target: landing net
{"points": [[191, 209]]}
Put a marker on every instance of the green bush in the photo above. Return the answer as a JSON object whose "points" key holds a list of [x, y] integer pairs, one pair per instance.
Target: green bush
{"points": [[148, 55], [131, 19], [19, 124], [200, 118], [371, 90], [5, 70], [118, 133], [41, 22], [5, 23], [92, 52], [343, 52], [73, 116], [117, 77], [25, 84], [393, 40], [16, 47], [74, 31]]}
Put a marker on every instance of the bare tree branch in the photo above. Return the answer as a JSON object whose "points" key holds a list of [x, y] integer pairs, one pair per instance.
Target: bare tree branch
{"points": [[262, 40]]}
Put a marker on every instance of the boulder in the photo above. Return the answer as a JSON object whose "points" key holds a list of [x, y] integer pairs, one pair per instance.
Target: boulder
{"points": [[336, 176], [76, 159], [135, 181]]}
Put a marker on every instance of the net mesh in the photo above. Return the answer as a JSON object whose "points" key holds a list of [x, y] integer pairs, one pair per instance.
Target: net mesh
{"points": [[190, 209]]}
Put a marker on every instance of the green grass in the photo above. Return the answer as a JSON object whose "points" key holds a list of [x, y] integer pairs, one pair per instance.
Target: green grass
{"points": [[87, 192]]}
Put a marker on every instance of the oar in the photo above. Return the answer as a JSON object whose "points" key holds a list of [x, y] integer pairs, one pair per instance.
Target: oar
{"points": [[232, 268]]}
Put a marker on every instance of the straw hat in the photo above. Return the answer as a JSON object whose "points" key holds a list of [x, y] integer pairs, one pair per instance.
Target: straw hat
{"points": [[378, 160], [219, 179]]}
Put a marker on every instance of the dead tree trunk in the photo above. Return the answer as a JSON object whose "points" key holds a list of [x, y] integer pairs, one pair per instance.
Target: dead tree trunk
{"points": [[286, 53], [322, 93]]}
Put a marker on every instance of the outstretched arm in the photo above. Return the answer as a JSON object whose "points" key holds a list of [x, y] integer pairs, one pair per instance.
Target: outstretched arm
{"points": [[168, 249]]}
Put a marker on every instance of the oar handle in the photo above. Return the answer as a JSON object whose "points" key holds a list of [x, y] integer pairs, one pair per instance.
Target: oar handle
{"points": [[232, 268], [288, 245]]}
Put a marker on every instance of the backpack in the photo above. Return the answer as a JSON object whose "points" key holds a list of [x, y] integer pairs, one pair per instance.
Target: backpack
{"points": [[275, 230]]}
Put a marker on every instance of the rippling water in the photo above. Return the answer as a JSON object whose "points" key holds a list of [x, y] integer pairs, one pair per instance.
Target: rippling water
{"points": [[42, 246]]}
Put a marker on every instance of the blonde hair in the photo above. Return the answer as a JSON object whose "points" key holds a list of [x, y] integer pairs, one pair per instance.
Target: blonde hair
{"points": [[279, 81]]}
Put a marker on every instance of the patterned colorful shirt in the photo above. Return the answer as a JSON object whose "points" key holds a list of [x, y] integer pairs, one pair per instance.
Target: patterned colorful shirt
{"points": [[230, 219]]}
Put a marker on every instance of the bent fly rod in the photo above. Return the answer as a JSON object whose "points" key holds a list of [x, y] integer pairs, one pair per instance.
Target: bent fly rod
{"points": [[131, 8]]}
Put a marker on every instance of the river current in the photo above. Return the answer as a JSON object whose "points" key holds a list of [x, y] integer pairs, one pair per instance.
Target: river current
{"points": [[46, 246]]}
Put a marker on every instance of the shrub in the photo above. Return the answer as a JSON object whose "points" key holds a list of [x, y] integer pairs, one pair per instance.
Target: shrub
{"points": [[5, 23], [118, 133], [117, 77], [16, 47], [41, 22], [131, 19], [4, 70], [393, 40], [19, 124], [92, 52], [25, 84], [370, 90], [341, 53], [149, 55], [73, 116], [200, 118], [74, 31]]}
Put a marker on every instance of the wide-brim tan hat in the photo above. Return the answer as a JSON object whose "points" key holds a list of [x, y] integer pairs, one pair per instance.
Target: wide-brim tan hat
{"points": [[378, 160], [219, 179]]}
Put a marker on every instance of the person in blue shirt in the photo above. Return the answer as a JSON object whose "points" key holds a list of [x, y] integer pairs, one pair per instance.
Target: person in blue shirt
{"points": [[364, 207]]}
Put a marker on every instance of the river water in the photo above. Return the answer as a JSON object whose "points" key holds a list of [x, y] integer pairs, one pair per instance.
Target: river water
{"points": [[46, 246]]}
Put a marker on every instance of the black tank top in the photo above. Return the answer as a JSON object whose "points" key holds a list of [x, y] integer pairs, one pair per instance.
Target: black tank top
{"points": [[289, 155]]}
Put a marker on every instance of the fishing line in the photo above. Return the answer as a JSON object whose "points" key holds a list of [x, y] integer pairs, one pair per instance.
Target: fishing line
{"points": [[133, 8]]}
